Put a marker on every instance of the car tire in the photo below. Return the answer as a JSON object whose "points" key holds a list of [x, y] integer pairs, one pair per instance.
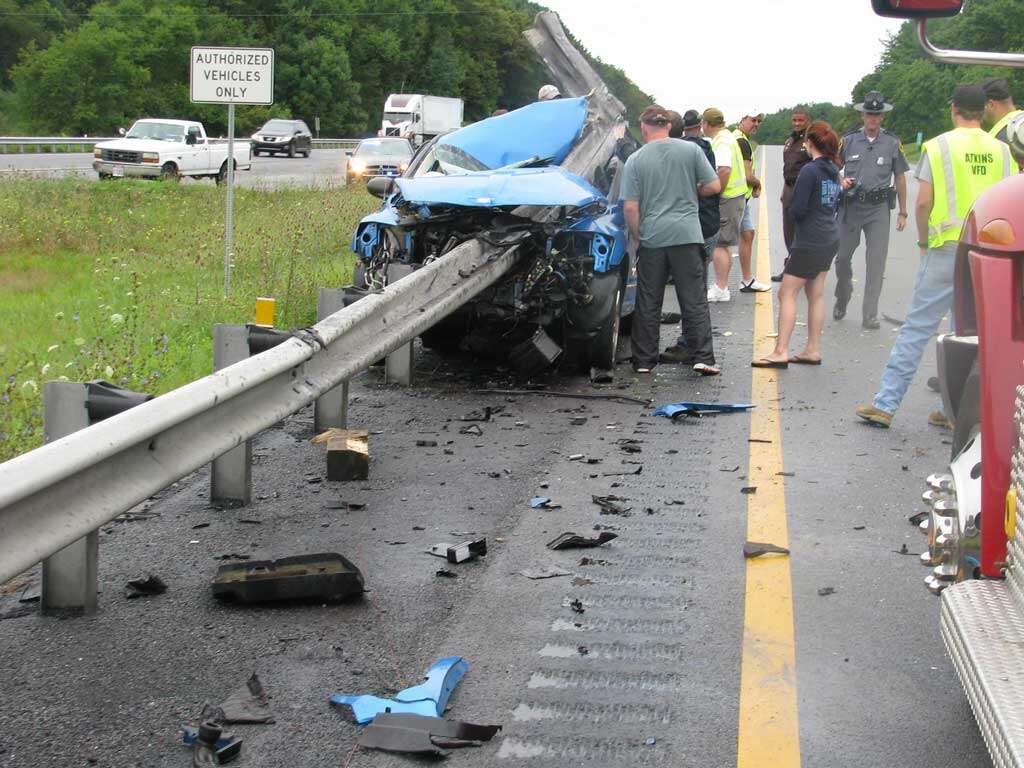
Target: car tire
{"points": [[291, 149], [105, 176], [169, 172], [222, 174], [591, 331]]}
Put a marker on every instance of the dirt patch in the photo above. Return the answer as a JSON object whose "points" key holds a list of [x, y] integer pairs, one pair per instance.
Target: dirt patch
{"points": [[24, 280]]}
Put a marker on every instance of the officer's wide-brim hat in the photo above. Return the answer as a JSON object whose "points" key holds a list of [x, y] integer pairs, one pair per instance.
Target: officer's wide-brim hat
{"points": [[874, 104]]}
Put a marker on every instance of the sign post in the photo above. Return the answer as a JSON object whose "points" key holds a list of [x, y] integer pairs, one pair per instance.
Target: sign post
{"points": [[231, 76]]}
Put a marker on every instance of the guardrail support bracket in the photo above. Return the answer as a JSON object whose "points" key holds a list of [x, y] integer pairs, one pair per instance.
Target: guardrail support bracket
{"points": [[231, 472], [331, 408]]}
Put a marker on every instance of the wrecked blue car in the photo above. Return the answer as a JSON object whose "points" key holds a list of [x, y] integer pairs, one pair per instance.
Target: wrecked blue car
{"points": [[502, 180]]}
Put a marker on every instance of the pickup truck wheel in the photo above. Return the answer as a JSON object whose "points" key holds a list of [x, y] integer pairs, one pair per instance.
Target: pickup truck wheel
{"points": [[169, 172], [222, 174], [105, 176], [291, 149], [591, 333], [255, 153]]}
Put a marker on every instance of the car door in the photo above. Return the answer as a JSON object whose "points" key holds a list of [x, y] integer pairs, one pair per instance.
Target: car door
{"points": [[196, 158]]}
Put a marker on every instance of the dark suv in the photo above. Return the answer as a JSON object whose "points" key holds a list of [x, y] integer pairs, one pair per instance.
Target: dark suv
{"points": [[277, 135]]}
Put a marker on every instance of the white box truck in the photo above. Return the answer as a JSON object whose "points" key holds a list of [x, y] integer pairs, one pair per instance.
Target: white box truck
{"points": [[418, 118]]}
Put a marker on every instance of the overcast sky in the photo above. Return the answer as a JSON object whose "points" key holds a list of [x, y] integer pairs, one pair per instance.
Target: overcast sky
{"points": [[684, 53]]}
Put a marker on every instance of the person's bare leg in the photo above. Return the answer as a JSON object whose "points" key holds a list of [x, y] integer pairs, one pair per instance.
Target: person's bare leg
{"points": [[723, 263], [746, 252], [788, 292], [815, 290]]}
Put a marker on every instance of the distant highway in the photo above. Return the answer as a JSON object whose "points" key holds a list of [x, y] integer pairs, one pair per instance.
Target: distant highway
{"points": [[322, 168]]}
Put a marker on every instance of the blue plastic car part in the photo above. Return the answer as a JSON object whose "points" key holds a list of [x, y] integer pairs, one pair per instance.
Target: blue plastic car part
{"points": [[542, 129], [499, 189], [697, 409], [365, 240], [429, 698], [601, 250]]}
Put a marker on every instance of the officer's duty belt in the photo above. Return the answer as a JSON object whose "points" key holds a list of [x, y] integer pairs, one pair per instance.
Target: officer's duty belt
{"points": [[875, 196]]}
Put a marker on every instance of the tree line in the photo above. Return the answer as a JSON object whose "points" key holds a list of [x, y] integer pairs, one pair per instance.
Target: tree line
{"points": [[918, 86], [79, 67]]}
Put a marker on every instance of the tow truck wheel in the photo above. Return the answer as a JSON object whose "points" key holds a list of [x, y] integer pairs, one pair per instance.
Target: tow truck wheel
{"points": [[592, 330], [169, 172]]}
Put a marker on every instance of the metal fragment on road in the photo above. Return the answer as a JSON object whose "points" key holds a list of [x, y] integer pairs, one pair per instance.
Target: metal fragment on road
{"points": [[416, 734], [757, 548], [145, 586]]}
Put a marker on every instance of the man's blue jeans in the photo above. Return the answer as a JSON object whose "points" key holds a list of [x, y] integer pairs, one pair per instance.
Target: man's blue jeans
{"points": [[932, 300]]}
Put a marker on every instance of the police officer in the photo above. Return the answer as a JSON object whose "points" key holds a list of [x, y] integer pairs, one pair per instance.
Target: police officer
{"points": [[955, 168], [873, 179]]}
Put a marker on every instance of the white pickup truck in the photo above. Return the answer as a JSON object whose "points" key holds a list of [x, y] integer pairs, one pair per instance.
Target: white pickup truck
{"points": [[168, 149]]}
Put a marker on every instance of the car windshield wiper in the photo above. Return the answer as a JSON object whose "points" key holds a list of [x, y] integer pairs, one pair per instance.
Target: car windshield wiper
{"points": [[532, 162]]}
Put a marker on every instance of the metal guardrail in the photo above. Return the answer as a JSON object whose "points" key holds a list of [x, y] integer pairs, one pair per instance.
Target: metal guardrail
{"points": [[58, 493], [50, 144]]}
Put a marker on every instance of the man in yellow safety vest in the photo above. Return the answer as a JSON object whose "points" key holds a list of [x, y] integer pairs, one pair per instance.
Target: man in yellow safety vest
{"points": [[955, 168]]}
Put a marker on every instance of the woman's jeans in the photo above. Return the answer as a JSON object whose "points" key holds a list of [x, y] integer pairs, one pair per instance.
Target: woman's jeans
{"points": [[932, 300]]}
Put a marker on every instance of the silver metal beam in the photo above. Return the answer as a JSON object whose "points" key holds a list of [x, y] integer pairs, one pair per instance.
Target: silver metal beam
{"points": [[990, 59], [60, 492]]}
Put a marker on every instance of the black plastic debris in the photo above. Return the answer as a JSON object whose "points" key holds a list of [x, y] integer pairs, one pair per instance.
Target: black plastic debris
{"points": [[459, 553], [571, 540], [146, 586], [348, 506], [248, 704], [826, 591], [327, 576], [420, 735], [758, 548], [484, 415], [748, 489], [446, 574], [609, 505], [629, 445], [227, 746], [426, 443], [535, 354], [577, 606], [637, 471]]}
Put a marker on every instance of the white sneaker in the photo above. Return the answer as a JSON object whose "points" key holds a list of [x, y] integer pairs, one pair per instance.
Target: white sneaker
{"points": [[754, 286], [718, 294]]}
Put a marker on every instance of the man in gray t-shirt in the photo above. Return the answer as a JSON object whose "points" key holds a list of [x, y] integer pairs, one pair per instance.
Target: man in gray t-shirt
{"points": [[662, 183]]}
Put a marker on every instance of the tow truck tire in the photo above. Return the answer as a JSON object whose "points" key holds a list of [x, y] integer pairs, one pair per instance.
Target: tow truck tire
{"points": [[968, 413], [592, 331], [291, 149], [169, 172]]}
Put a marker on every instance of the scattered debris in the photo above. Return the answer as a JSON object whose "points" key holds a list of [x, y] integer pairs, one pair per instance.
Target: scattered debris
{"points": [[326, 577], [729, 469], [249, 704], [675, 411], [484, 415], [637, 471], [759, 440], [577, 606], [859, 527], [429, 698], [757, 548], [826, 591], [422, 735], [582, 581], [471, 429], [571, 540], [145, 586], [572, 395], [629, 445], [427, 443], [446, 574], [904, 551], [348, 453], [227, 746], [609, 506], [748, 489], [578, 421], [544, 573], [785, 474], [459, 553], [543, 502], [197, 526], [233, 556], [582, 650], [348, 506], [675, 502], [204, 748], [651, 742]]}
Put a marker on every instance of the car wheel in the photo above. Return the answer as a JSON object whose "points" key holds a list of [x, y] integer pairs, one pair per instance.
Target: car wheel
{"points": [[291, 149], [591, 334], [306, 153], [169, 172], [222, 174], [255, 153]]}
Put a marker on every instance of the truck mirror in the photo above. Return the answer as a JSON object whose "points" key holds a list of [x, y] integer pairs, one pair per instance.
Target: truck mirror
{"points": [[380, 186], [917, 9]]}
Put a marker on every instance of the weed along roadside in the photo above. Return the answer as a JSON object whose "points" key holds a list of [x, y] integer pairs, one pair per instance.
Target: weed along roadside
{"points": [[123, 281]]}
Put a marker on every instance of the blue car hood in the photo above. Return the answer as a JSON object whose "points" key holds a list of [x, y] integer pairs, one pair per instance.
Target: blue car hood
{"points": [[542, 129], [496, 189]]}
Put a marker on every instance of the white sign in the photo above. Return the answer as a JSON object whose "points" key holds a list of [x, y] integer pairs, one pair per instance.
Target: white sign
{"points": [[232, 75]]}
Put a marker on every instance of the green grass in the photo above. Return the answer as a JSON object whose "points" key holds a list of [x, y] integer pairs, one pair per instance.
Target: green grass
{"points": [[124, 281]]}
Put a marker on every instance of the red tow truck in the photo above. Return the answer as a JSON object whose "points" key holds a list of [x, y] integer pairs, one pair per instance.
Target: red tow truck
{"points": [[975, 547]]}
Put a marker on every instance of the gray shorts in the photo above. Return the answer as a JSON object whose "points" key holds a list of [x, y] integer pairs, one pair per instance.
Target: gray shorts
{"points": [[747, 224], [730, 215]]}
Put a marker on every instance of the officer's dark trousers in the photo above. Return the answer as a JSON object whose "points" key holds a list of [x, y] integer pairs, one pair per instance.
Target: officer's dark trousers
{"points": [[787, 220], [873, 220], [688, 266]]}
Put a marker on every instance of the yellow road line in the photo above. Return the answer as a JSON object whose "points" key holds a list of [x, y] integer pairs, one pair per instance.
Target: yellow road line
{"points": [[769, 731]]}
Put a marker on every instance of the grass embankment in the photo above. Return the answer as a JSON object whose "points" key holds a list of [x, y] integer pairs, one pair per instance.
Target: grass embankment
{"points": [[123, 281]]}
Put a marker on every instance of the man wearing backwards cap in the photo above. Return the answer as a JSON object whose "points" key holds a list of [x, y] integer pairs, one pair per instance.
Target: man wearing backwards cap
{"points": [[548, 93], [955, 168], [662, 183], [1000, 110], [873, 177]]}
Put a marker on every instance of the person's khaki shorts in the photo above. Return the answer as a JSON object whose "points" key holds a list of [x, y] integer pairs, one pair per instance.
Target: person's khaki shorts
{"points": [[730, 214]]}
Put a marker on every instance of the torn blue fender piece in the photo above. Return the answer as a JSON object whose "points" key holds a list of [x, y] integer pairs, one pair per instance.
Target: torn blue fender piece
{"points": [[698, 409], [539, 501], [429, 698], [498, 189]]}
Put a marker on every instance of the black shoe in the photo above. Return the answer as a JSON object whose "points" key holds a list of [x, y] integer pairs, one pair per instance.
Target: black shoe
{"points": [[871, 324], [933, 383], [676, 354], [777, 278], [838, 311]]}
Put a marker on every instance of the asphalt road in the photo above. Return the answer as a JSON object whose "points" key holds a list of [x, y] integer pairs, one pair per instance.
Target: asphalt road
{"points": [[647, 675], [323, 167]]}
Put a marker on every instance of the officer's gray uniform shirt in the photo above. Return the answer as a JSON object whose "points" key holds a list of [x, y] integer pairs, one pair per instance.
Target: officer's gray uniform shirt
{"points": [[872, 165]]}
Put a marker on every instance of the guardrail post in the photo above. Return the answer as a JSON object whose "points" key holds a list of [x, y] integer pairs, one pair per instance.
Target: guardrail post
{"points": [[331, 408], [231, 472], [70, 579], [400, 364]]}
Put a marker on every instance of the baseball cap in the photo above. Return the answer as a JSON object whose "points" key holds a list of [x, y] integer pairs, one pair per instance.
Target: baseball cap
{"points": [[548, 92], [996, 88], [713, 116], [691, 118], [758, 116], [655, 115], [970, 98]]}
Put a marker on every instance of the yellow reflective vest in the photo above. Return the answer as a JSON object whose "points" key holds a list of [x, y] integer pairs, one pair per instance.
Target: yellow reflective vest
{"points": [[964, 163], [740, 135], [737, 184], [995, 129]]}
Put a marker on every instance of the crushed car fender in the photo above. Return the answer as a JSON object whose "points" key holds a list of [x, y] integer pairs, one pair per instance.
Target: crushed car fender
{"points": [[429, 698]]}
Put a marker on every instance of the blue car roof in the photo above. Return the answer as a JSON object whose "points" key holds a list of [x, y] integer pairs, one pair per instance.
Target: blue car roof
{"points": [[494, 189], [542, 129]]}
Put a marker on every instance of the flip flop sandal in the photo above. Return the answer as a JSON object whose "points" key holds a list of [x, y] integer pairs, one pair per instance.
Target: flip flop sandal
{"points": [[766, 363], [797, 360]]}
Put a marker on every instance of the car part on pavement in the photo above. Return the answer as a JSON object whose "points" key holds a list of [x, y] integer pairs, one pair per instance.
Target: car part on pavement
{"points": [[416, 734], [327, 577], [570, 540], [429, 698], [459, 553], [204, 748], [753, 549], [228, 746], [673, 410], [570, 395], [544, 573], [608, 504], [248, 704]]}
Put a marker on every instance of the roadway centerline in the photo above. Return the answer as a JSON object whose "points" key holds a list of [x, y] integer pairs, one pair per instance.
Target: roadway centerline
{"points": [[769, 731]]}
